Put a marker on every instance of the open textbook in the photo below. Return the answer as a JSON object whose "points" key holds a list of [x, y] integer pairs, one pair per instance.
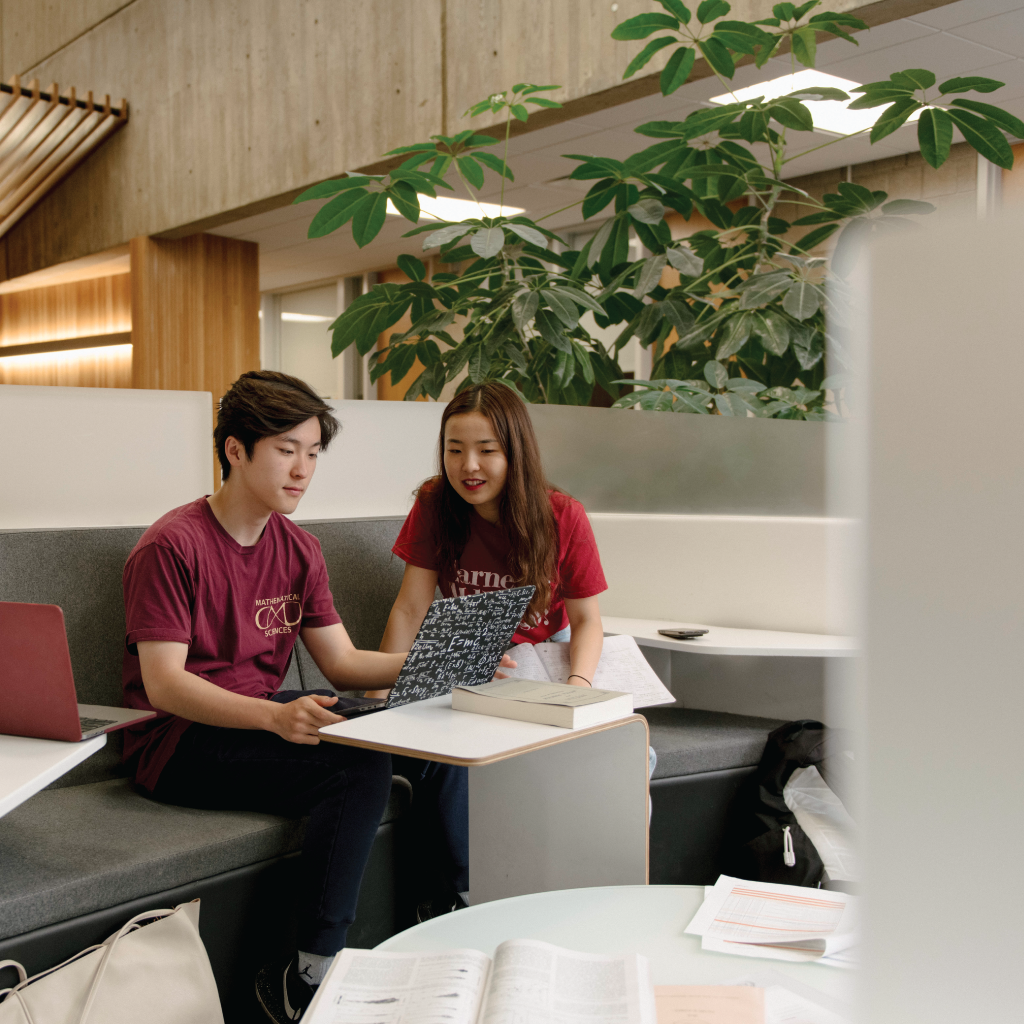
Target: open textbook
{"points": [[622, 668], [780, 922], [526, 981]]}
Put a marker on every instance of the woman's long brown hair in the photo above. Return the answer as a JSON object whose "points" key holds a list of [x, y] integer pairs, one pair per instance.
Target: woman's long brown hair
{"points": [[524, 508]]}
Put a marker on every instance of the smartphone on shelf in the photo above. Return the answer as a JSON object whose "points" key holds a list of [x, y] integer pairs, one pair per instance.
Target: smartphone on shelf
{"points": [[682, 634]]}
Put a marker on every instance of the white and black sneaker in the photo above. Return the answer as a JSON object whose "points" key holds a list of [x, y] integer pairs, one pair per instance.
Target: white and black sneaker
{"points": [[283, 993]]}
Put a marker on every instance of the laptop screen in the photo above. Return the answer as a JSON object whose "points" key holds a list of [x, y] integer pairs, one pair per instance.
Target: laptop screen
{"points": [[460, 642]]}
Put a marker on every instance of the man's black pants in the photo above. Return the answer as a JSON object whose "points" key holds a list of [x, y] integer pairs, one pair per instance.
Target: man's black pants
{"points": [[344, 791]]}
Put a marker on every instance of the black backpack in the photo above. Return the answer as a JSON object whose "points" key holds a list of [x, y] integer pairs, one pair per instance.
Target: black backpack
{"points": [[763, 841]]}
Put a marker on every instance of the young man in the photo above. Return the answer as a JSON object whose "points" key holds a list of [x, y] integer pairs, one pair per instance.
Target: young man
{"points": [[216, 593]]}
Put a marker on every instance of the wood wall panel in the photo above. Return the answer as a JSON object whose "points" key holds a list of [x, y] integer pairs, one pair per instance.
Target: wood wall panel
{"points": [[109, 367], [195, 302], [101, 305]]}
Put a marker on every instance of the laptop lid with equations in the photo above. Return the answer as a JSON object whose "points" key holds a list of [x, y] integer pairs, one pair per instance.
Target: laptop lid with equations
{"points": [[461, 641], [37, 687]]}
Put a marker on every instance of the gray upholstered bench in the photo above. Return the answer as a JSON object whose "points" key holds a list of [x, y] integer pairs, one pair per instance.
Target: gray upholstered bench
{"points": [[83, 856], [89, 852], [703, 756]]}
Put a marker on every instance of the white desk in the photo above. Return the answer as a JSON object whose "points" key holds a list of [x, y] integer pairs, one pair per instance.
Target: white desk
{"points": [[641, 919], [549, 808], [27, 765], [726, 640]]}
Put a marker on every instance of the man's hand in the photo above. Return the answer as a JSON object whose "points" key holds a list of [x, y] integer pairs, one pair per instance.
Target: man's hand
{"points": [[506, 662], [298, 720]]}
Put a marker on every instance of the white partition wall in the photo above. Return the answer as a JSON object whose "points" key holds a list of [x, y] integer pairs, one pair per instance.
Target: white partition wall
{"points": [[752, 572], [74, 457], [944, 611], [384, 451]]}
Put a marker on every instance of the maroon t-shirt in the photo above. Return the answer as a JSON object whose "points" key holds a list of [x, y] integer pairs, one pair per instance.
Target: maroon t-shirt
{"points": [[483, 565], [238, 608]]}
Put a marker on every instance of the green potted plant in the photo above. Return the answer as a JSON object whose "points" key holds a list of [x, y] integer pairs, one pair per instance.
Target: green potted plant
{"points": [[744, 330]]}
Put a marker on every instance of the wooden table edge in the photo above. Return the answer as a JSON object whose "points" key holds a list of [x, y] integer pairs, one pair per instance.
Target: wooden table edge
{"points": [[476, 762]]}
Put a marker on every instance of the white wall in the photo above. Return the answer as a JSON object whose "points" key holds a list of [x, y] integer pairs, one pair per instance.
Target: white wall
{"points": [[75, 457], [754, 572], [383, 452], [944, 610]]}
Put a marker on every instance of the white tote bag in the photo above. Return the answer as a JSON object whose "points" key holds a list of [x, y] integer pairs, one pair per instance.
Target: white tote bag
{"points": [[155, 969]]}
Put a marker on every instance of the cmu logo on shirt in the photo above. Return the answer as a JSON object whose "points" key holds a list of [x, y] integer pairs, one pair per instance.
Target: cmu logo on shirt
{"points": [[278, 614]]}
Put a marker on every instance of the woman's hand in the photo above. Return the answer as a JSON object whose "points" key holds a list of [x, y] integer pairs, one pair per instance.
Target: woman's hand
{"points": [[506, 662]]}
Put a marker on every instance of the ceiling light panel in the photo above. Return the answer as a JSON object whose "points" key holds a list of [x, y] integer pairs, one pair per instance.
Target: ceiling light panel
{"points": [[831, 116], [447, 208]]}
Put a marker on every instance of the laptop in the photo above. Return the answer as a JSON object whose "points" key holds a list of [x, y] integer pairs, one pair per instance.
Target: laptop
{"points": [[461, 642], [37, 688]]}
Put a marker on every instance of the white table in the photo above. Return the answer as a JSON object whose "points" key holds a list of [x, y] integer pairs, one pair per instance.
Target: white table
{"points": [[640, 919], [27, 765], [726, 640], [549, 808]]}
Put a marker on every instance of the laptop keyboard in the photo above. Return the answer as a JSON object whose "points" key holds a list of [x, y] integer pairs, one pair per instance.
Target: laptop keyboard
{"points": [[88, 724]]}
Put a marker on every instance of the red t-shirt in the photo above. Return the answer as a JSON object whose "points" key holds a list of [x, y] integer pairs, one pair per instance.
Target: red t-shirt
{"points": [[238, 608], [483, 565]]}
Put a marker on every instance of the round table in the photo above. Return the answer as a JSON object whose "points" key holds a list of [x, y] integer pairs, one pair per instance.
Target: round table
{"points": [[647, 919]]}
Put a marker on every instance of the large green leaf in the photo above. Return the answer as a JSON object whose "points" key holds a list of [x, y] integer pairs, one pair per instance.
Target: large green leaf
{"points": [[970, 84], [715, 373], [528, 234], [915, 78], [495, 164], [551, 331], [792, 114], [647, 53], [563, 308], [368, 218], [487, 242], [802, 300], [446, 234], [471, 170], [337, 212], [893, 117], [736, 333], [650, 275], [647, 210], [524, 308], [641, 26], [581, 298], [901, 207], [935, 136], [412, 267], [369, 316], [685, 260], [708, 10], [677, 70], [330, 188], [716, 53], [759, 289], [984, 136], [805, 46], [774, 332], [1001, 117]]}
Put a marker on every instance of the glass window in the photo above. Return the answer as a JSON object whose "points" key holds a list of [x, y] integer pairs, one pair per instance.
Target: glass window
{"points": [[306, 342]]}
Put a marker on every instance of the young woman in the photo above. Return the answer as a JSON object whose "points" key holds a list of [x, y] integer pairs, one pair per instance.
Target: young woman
{"points": [[488, 521]]}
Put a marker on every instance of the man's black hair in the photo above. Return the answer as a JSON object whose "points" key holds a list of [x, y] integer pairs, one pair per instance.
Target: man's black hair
{"points": [[265, 403]]}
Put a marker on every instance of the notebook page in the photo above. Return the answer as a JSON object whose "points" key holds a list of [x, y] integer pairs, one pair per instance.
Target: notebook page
{"points": [[622, 667], [544, 984], [710, 1004], [401, 988], [528, 665]]}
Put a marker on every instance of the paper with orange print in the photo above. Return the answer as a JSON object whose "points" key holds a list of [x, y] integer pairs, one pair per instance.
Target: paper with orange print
{"points": [[709, 1004]]}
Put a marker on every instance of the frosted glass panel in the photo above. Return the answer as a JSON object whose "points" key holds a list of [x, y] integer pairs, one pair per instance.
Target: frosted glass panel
{"points": [[305, 341]]}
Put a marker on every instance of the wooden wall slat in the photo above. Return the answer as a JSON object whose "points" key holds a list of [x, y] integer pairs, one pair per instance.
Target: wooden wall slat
{"points": [[195, 302], [96, 368], [101, 305]]}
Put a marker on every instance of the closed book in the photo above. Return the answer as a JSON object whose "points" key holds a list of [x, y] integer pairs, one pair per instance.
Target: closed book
{"points": [[530, 700]]}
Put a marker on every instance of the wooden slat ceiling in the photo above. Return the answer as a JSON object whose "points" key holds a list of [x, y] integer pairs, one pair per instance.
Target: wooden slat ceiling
{"points": [[43, 137]]}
